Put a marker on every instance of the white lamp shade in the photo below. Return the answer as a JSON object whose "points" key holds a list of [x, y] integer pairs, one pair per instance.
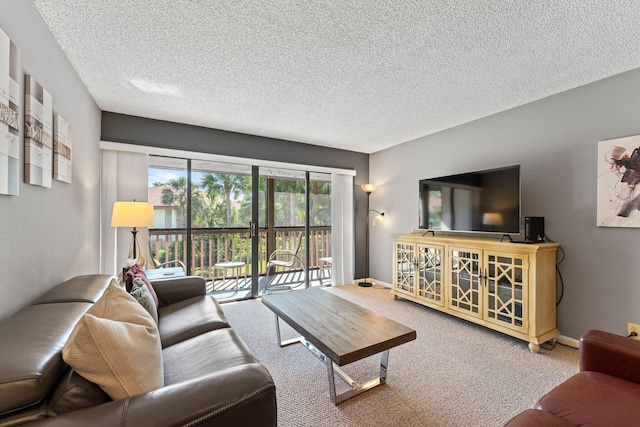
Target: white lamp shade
{"points": [[132, 214], [379, 218], [368, 188]]}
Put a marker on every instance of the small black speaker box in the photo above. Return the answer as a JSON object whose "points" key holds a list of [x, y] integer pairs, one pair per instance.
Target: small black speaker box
{"points": [[534, 228]]}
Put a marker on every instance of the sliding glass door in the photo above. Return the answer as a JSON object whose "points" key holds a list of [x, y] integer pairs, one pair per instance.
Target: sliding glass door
{"points": [[298, 229], [285, 231], [245, 229], [320, 228], [203, 216], [221, 219]]}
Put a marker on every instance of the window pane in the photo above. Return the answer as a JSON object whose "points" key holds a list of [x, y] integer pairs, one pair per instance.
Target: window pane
{"points": [[319, 199], [221, 195], [168, 193]]}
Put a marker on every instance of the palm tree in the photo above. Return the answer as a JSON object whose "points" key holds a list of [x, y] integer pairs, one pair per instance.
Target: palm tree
{"points": [[317, 188], [292, 187], [174, 193], [231, 187], [204, 211]]}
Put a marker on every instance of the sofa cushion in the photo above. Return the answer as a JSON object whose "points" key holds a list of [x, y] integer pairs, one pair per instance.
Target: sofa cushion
{"points": [[75, 392], [593, 399], [242, 396], [204, 354], [30, 360], [190, 317], [116, 345], [170, 291], [87, 288]]}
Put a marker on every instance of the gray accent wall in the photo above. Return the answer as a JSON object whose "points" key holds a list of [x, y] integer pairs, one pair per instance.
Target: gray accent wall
{"points": [[156, 133], [555, 140], [48, 235]]}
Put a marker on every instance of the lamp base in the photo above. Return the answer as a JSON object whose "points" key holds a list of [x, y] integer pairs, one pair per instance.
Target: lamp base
{"points": [[365, 284], [134, 250]]}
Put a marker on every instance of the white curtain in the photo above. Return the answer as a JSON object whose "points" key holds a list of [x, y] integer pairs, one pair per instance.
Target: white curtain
{"points": [[342, 232], [124, 177]]}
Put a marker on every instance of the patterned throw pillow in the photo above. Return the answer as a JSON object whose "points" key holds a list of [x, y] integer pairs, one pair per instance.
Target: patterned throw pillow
{"points": [[116, 345], [140, 292], [135, 271]]}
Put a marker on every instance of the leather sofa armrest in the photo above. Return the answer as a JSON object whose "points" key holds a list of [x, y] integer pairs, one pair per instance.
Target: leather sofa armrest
{"points": [[177, 289], [537, 418], [242, 395], [610, 354]]}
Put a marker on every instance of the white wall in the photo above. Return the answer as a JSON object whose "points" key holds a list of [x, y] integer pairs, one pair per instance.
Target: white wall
{"points": [[555, 141], [49, 235]]}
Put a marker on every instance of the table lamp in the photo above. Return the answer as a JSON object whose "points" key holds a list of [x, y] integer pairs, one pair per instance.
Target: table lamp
{"points": [[133, 214]]}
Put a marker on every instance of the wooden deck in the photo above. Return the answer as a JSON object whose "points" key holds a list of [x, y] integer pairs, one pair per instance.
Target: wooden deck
{"points": [[225, 289]]}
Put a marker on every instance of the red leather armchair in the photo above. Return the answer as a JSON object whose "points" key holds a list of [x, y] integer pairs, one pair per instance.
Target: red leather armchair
{"points": [[606, 391]]}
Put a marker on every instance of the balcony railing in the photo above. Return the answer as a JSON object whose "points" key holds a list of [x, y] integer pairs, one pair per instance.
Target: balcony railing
{"points": [[212, 245]]}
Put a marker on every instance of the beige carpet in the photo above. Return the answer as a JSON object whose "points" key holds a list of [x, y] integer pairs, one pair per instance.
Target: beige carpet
{"points": [[454, 374]]}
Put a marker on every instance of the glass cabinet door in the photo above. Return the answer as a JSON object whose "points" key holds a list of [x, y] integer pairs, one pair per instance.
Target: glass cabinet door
{"points": [[405, 268], [430, 273], [506, 290], [465, 285]]}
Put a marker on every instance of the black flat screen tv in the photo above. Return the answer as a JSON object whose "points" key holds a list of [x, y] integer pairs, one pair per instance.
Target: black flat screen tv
{"points": [[478, 202]]}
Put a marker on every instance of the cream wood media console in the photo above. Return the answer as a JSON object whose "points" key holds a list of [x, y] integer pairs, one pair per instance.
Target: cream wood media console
{"points": [[508, 287]]}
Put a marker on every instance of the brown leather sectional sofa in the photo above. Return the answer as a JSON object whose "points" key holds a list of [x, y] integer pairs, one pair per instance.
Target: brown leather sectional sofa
{"points": [[211, 378], [606, 391]]}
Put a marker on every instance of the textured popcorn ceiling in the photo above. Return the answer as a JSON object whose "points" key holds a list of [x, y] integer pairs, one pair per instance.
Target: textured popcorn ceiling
{"points": [[362, 75]]}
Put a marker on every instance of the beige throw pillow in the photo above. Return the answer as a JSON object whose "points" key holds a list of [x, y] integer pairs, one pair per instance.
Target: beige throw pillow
{"points": [[117, 346]]}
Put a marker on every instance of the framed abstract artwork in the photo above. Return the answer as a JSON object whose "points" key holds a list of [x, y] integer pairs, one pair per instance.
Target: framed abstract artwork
{"points": [[618, 199], [9, 116], [38, 134], [62, 137]]}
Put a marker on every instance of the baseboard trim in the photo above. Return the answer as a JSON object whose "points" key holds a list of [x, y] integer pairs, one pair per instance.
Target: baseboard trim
{"points": [[375, 282], [568, 341], [381, 283]]}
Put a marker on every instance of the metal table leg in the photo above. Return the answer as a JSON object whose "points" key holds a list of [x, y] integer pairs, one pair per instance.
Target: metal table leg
{"points": [[332, 369]]}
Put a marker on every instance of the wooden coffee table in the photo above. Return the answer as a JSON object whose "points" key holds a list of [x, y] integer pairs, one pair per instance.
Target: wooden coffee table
{"points": [[338, 332]]}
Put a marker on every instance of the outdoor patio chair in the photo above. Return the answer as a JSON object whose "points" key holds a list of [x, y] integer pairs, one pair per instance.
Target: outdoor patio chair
{"points": [[166, 264], [286, 260]]}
